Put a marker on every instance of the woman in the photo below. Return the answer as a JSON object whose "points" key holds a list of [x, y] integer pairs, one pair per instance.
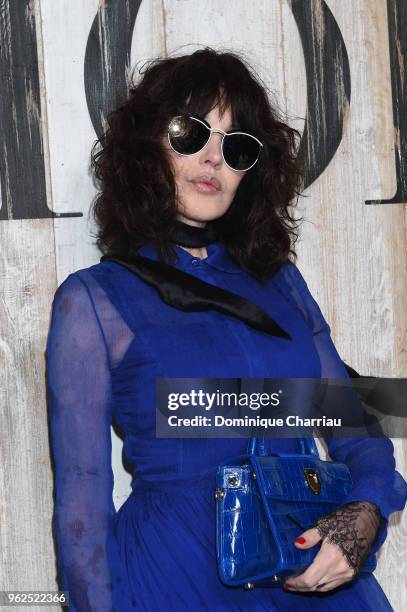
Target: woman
{"points": [[176, 195]]}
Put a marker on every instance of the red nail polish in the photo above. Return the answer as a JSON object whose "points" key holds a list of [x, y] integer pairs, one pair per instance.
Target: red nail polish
{"points": [[300, 540], [287, 587]]}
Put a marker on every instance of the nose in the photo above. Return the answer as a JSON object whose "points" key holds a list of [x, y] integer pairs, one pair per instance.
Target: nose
{"points": [[212, 152]]}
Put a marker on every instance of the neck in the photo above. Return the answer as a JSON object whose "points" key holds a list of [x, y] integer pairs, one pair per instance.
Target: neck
{"points": [[192, 238], [199, 252]]}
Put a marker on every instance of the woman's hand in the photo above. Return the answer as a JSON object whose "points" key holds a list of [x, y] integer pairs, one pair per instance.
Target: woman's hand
{"points": [[347, 535]]}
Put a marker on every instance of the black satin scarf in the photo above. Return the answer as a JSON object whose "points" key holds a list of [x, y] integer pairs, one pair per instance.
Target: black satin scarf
{"points": [[186, 292], [192, 236]]}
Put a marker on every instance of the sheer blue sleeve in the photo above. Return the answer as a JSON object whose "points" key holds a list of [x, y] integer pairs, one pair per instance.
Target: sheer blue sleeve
{"points": [[80, 415], [370, 460]]}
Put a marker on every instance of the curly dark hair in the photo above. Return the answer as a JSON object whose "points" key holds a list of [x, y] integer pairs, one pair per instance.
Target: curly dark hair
{"points": [[137, 199]]}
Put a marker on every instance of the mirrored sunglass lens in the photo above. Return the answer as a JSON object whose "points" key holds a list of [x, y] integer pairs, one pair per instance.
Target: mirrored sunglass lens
{"points": [[186, 135], [240, 151]]}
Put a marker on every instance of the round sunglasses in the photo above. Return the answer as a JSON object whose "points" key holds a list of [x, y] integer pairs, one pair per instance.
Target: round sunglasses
{"points": [[188, 135]]}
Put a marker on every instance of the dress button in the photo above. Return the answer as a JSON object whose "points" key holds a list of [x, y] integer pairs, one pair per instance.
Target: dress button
{"points": [[195, 262]]}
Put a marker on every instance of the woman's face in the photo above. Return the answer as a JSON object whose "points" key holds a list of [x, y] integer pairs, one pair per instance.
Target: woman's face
{"points": [[197, 203]]}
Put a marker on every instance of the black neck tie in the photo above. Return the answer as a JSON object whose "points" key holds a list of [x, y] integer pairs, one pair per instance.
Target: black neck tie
{"points": [[186, 292]]}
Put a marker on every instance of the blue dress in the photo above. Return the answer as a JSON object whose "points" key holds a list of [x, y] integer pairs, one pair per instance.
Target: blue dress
{"points": [[110, 337]]}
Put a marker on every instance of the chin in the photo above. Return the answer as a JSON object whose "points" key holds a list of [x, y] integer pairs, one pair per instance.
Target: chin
{"points": [[207, 217]]}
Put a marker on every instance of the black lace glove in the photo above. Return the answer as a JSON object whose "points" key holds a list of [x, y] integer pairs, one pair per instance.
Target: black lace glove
{"points": [[354, 528]]}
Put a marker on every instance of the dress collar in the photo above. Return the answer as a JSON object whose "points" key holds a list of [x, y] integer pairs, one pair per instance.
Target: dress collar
{"points": [[217, 258]]}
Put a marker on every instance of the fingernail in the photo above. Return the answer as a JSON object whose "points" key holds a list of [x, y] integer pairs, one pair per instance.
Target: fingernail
{"points": [[300, 540], [286, 587]]}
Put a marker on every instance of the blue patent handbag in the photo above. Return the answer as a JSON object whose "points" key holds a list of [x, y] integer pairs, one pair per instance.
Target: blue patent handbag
{"points": [[265, 501]]}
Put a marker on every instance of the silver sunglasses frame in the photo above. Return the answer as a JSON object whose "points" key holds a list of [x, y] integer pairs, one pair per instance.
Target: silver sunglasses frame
{"points": [[211, 130]]}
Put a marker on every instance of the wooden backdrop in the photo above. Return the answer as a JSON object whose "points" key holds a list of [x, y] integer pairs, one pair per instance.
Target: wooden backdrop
{"points": [[339, 64]]}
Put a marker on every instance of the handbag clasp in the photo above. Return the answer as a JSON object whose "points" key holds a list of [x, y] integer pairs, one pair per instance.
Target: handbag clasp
{"points": [[312, 480]]}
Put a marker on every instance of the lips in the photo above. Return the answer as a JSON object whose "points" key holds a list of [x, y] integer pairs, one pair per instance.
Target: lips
{"points": [[210, 180]]}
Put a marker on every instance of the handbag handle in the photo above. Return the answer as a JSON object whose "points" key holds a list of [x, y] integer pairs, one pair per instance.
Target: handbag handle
{"points": [[256, 445], [306, 446]]}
